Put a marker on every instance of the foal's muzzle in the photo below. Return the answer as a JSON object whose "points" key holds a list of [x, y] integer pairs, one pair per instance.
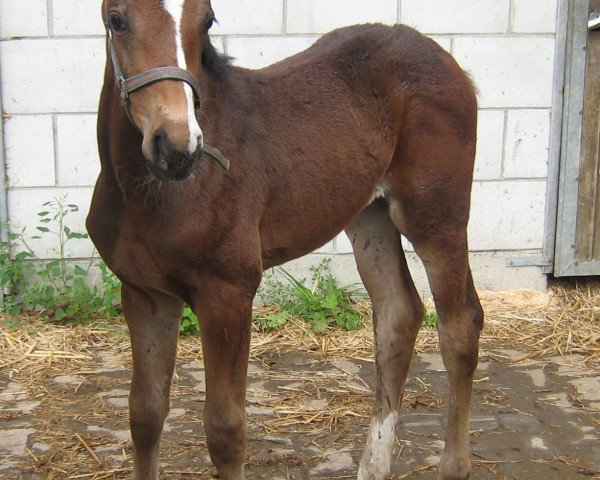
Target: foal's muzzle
{"points": [[167, 162]]}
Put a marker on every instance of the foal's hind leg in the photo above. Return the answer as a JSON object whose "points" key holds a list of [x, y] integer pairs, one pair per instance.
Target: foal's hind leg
{"points": [[397, 315], [153, 321], [460, 322], [429, 203]]}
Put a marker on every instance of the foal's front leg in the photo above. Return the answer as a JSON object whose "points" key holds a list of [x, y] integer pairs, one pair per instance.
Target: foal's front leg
{"points": [[153, 321], [225, 313]]}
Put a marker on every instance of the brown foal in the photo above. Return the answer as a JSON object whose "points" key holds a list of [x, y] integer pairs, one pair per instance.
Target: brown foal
{"points": [[371, 130]]}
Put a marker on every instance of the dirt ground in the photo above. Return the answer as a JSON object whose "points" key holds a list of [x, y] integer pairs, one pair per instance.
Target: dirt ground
{"points": [[65, 415]]}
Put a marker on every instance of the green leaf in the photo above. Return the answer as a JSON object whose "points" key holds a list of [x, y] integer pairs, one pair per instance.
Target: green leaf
{"points": [[43, 229], [330, 300], [79, 271], [60, 314], [43, 214]]}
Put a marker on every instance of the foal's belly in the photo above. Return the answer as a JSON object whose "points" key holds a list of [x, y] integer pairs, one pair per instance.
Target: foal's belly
{"points": [[310, 215]]}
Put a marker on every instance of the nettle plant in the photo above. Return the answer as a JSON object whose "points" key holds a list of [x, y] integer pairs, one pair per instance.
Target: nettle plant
{"points": [[322, 304], [57, 288]]}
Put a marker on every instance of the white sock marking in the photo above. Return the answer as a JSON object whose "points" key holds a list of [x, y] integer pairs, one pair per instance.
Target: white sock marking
{"points": [[377, 457], [175, 9]]}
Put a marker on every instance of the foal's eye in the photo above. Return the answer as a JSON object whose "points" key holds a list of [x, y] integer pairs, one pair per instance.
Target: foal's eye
{"points": [[209, 24], [116, 22]]}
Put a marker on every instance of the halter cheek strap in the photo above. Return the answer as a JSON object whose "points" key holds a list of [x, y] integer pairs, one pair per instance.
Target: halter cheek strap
{"points": [[137, 82]]}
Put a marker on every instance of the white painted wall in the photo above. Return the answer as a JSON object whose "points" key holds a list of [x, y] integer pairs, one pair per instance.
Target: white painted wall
{"points": [[52, 60]]}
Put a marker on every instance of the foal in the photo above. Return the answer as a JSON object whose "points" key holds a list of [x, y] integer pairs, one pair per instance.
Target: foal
{"points": [[371, 130]]}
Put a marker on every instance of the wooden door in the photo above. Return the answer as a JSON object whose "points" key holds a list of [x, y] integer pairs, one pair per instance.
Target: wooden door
{"points": [[578, 228], [588, 215]]}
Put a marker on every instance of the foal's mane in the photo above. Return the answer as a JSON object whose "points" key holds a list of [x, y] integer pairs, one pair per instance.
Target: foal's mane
{"points": [[213, 62]]}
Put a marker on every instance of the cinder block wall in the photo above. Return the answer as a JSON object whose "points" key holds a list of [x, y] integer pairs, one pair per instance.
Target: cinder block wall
{"points": [[52, 59]]}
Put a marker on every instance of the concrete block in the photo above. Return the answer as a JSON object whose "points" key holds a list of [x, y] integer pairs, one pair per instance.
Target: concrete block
{"points": [[248, 17], [489, 270], [342, 266], [329, 247], [509, 72], [78, 160], [507, 215], [490, 145], [534, 16], [23, 18], [457, 16], [219, 43], [29, 144], [24, 205], [77, 17], [343, 244], [322, 16], [444, 42], [48, 76], [259, 52], [527, 144]]}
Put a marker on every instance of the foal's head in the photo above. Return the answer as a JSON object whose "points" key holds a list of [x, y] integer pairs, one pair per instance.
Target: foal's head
{"points": [[155, 33]]}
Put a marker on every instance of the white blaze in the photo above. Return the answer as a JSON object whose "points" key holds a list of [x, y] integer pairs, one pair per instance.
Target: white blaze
{"points": [[175, 9]]}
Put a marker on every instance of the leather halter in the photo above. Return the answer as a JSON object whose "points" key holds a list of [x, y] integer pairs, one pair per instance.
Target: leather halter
{"points": [[137, 82]]}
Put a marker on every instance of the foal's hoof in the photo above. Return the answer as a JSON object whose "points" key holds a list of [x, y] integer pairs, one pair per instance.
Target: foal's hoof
{"points": [[372, 472], [454, 468]]}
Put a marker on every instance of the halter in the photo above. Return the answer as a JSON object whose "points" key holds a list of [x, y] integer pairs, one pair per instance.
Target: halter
{"points": [[141, 80]]}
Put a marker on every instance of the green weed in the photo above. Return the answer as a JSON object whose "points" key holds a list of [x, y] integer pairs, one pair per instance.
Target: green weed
{"points": [[56, 288], [431, 319], [323, 305], [189, 323]]}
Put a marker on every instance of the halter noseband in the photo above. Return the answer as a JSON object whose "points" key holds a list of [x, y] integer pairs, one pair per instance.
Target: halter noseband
{"points": [[137, 82]]}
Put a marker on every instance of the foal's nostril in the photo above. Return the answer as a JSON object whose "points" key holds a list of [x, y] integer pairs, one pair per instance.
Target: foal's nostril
{"points": [[161, 149], [170, 161]]}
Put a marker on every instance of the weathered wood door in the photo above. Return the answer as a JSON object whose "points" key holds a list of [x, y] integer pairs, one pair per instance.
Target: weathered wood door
{"points": [[578, 229]]}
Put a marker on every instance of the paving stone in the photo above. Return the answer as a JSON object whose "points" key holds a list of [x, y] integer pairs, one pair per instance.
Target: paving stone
{"points": [[255, 369], [117, 392], [538, 376], [558, 399], [520, 422], [346, 365], [40, 447], [13, 392], [334, 462], [278, 440], [318, 404], [118, 402], [108, 448], [121, 435], [175, 414], [24, 407], [421, 420], [73, 380], [588, 389], [538, 443], [193, 366], [200, 379], [260, 410], [486, 423], [434, 361], [14, 441]]}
